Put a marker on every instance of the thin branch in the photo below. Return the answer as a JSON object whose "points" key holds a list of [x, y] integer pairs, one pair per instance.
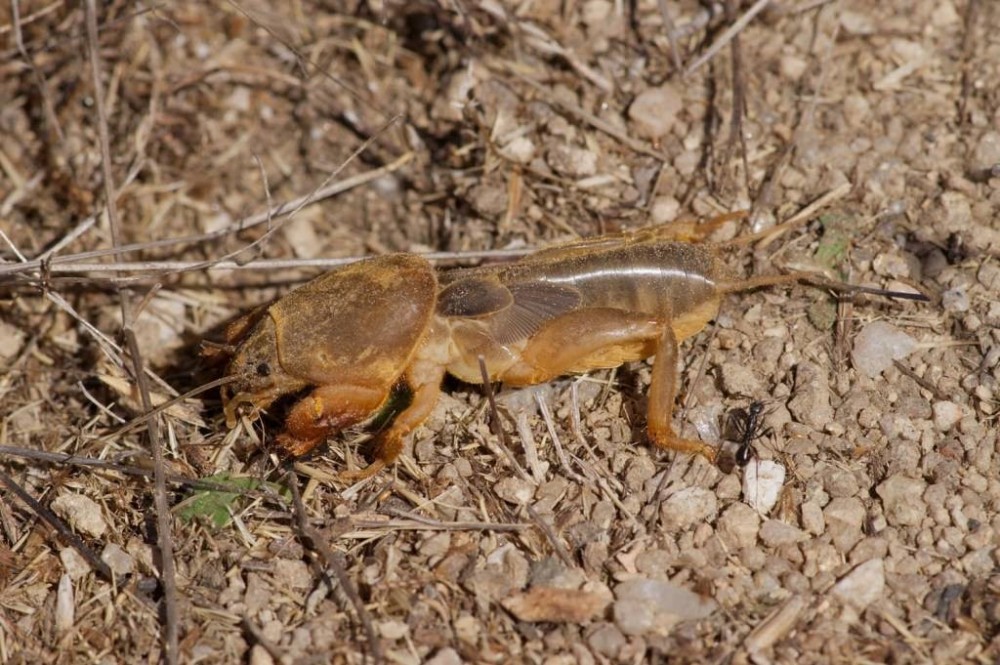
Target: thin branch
{"points": [[668, 23], [765, 194], [53, 520], [335, 562], [727, 36], [591, 119], [495, 423], [43, 89], [288, 208], [262, 265], [736, 133], [257, 635], [65, 459], [550, 535], [162, 507], [969, 25]]}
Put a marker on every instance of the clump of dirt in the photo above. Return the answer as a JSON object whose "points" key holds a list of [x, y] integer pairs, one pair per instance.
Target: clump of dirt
{"points": [[872, 133]]}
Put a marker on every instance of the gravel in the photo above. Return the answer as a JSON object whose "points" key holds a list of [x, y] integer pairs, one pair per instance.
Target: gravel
{"points": [[877, 345], [512, 128]]}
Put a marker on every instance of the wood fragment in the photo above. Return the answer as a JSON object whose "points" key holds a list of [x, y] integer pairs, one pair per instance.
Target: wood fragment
{"points": [[556, 605], [776, 626]]}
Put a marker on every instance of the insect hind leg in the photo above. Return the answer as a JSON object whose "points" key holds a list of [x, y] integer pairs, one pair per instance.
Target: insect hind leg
{"points": [[662, 391]]}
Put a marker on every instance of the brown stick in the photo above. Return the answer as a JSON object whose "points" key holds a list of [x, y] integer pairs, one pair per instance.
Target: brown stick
{"points": [[161, 506]]}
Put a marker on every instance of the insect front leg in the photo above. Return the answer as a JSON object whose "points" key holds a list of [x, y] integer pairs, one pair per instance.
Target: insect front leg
{"points": [[326, 410], [662, 391], [424, 379]]}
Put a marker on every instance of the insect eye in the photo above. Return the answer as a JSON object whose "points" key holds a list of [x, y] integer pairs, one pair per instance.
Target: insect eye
{"points": [[263, 369]]}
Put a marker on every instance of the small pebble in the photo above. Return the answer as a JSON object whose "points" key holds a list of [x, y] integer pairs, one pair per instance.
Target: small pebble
{"points": [[488, 199], [869, 548], [811, 402], [82, 513], [644, 606], [840, 483], [551, 572], [260, 656], [520, 150], [863, 585], [300, 234], [901, 499], [119, 561], [73, 563], [572, 161], [946, 415], [989, 276], [844, 518], [607, 640], [955, 300], [776, 533], [987, 151], [792, 67], [514, 490], [762, 483], [689, 506], [738, 526], [11, 341], [665, 209], [812, 518], [655, 563], [446, 656], [293, 574], [739, 380], [654, 111], [556, 605], [467, 628], [877, 345], [891, 265], [65, 614], [856, 23], [957, 211]]}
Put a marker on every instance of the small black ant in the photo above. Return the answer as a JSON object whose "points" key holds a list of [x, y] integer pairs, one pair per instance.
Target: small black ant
{"points": [[748, 426]]}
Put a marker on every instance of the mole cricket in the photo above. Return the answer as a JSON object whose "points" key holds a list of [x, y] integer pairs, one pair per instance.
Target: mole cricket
{"points": [[348, 339]]}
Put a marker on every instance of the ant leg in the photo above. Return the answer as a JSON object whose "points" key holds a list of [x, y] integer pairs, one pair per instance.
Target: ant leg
{"points": [[661, 395]]}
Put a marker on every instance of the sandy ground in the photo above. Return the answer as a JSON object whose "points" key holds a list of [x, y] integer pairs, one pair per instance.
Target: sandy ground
{"points": [[465, 126]]}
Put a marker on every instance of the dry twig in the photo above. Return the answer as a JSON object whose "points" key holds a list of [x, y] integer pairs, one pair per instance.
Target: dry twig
{"points": [[162, 507]]}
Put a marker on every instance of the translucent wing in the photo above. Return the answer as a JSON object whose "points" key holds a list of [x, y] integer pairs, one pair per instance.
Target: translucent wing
{"points": [[512, 312]]}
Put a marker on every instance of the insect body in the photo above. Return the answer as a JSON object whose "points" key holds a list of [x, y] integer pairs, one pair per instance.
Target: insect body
{"points": [[343, 341], [749, 426]]}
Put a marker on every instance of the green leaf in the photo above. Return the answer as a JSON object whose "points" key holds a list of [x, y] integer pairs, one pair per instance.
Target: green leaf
{"points": [[216, 506], [833, 245]]}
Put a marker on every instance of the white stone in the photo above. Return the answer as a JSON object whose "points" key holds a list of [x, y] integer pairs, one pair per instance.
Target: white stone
{"points": [[645, 606], [863, 585], [762, 483], [654, 111], [82, 513], [877, 345], [687, 507]]}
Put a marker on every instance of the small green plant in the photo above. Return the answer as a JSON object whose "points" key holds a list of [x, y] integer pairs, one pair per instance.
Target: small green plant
{"points": [[217, 506]]}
